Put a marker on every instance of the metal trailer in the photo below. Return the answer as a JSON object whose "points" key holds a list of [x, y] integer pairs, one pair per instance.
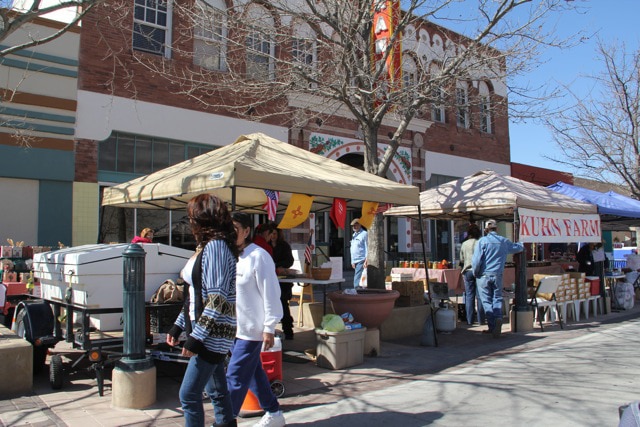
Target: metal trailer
{"points": [[45, 322]]}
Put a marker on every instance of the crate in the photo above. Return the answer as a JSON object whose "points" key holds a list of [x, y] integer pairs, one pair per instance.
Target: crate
{"points": [[339, 350]]}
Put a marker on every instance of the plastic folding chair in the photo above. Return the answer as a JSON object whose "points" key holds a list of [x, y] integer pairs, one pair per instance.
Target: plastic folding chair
{"points": [[548, 285]]}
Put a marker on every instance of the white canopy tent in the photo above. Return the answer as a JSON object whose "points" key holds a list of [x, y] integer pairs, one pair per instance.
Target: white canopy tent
{"points": [[240, 172], [543, 215]]}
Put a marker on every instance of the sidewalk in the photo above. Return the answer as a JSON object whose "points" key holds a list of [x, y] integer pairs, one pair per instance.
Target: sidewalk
{"points": [[576, 376]]}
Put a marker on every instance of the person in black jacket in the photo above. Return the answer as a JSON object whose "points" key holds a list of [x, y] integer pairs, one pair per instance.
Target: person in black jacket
{"points": [[585, 259], [283, 258]]}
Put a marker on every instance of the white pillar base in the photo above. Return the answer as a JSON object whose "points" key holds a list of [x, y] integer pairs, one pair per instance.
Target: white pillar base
{"points": [[133, 389], [521, 321]]}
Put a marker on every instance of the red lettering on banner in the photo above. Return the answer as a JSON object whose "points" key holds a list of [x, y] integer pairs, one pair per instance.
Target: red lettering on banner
{"points": [[540, 226]]}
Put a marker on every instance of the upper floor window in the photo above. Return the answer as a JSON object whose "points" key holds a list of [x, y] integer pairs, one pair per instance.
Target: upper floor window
{"points": [[409, 73], [210, 35], [259, 44], [437, 107], [304, 55], [152, 26], [462, 107], [485, 108]]}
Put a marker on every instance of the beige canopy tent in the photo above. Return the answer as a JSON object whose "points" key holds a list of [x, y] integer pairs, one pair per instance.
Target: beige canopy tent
{"points": [[487, 194], [239, 173]]}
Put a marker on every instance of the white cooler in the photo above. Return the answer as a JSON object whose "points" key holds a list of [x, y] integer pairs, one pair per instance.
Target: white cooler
{"points": [[95, 274]]}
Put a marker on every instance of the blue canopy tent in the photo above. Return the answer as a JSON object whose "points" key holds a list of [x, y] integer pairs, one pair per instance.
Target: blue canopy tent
{"points": [[617, 212]]}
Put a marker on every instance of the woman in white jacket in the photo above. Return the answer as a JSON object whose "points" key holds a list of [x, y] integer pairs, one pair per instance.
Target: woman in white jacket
{"points": [[258, 311]]}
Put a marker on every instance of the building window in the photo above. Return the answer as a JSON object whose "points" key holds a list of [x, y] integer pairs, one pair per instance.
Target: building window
{"points": [[210, 35], [485, 108], [151, 26], [304, 55], [437, 108], [259, 43], [141, 155], [409, 74], [259, 54], [462, 107]]}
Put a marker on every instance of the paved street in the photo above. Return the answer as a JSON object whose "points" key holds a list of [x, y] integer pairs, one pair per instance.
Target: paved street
{"points": [[572, 377]]}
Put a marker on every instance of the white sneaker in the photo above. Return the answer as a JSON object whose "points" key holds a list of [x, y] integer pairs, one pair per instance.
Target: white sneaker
{"points": [[271, 419]]}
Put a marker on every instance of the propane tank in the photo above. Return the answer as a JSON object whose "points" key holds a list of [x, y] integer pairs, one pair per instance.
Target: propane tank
{"points": [[445, 318]]}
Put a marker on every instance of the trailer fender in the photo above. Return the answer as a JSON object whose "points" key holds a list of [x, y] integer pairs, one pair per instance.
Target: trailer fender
{"points": [[34, 321]]}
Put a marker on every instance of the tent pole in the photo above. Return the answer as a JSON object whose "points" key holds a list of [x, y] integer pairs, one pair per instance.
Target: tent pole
{"points": [[233, 198], [426, 275], [521, 276]]}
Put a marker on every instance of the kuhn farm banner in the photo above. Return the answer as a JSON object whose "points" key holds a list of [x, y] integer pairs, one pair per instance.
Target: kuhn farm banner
{"points": [[556, 227]]}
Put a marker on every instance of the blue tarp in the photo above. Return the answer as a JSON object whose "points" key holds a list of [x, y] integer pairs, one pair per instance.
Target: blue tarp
{"points": [[609, 203]]}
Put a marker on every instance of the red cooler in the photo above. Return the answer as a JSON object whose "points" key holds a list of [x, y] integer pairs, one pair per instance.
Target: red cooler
{"points": [[594, 282]]}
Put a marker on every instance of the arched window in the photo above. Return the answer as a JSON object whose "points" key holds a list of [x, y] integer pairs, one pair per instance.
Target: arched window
{"points": [[210, 35], [259, 43], [485, 107], [409, 72]]}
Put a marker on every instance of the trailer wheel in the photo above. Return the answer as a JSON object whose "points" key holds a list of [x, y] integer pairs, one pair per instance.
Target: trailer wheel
{"points": [[277, 387], [56, 372]]}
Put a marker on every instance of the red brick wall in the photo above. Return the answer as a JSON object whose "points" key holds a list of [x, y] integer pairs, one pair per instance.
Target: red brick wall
{"points": [[86, 161], [539, 176]]}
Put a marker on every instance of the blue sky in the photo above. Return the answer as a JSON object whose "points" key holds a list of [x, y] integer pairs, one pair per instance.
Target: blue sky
{"points": [[612, 20], [608, 20]]}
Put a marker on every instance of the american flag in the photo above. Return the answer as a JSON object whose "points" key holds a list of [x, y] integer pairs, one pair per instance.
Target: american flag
{"points": [[272, 203], [308, 250]]}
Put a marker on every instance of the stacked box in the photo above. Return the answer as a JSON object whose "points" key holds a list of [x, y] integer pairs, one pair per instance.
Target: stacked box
{"points": [[411, 293], [576, 280], [563, 289]]}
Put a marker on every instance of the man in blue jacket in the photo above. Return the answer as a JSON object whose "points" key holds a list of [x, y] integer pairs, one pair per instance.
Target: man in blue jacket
{"points": [[488, 267], [358, 250]]}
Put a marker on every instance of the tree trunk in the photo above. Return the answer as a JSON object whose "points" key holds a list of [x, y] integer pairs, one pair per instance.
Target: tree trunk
{"points": [[375, 271]]}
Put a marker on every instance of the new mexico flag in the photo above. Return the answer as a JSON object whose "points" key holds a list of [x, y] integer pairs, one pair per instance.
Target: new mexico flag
{"points": [[297, 211], [368, 212]]}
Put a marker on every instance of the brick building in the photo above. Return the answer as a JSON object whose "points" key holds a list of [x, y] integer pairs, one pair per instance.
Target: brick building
{"points": [[130, 121]]}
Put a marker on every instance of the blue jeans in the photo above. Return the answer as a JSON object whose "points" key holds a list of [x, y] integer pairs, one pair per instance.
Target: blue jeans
{"points": [[490, 291], [470, 295], [358, 274], [202, 375], [245, 372]]}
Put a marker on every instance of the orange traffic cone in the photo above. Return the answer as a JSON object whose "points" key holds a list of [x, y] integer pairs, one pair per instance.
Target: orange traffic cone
{"points": [[250, 406]]}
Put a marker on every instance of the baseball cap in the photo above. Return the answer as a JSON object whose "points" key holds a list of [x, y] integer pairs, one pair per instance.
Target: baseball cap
{"points": [[355, 221], [491, 224]]}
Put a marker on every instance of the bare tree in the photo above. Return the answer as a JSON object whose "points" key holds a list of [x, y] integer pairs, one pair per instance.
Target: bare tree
{"points": [[599, 135], [15, 15], [303, 60]]}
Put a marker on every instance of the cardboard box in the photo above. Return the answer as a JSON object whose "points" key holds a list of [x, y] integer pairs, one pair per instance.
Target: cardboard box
{"points": [[411, 293], [339, 350]]}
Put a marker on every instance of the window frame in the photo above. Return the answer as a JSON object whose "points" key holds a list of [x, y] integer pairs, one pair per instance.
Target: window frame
{"points": [[462, 107], [153, 11], [210, 32], [262, 46]]}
